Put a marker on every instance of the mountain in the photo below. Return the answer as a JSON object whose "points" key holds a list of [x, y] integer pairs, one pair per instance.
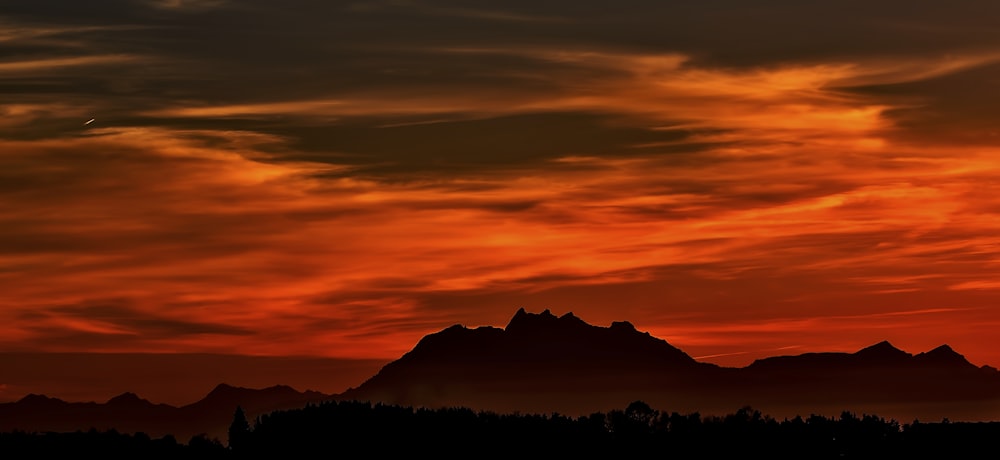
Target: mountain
{"points": [[541, 363], [129, 413], [538, 362], [544, 363], [220, 403]]}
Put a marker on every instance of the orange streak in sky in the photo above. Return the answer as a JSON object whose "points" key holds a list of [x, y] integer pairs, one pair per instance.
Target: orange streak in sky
{"points": [[154, 239]]}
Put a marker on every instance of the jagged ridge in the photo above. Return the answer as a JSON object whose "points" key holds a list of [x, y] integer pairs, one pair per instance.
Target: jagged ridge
{"points": [[545, 362]]}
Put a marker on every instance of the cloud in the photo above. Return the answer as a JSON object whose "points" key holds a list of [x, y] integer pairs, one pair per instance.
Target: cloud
{"points": [[47, 65], [430, 8], [977, 284], [119, 318], [339, 179], [187, 5], [182, 221]]}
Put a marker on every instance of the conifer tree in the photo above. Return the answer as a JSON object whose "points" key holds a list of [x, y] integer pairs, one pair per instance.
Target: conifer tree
{"points": [[239, 430]]}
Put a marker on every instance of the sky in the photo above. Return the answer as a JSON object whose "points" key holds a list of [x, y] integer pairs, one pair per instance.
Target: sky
{"points": [[339, 179]]}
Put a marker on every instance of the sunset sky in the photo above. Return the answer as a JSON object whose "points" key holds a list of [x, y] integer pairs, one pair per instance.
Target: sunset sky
{"points": [[338, 179]]}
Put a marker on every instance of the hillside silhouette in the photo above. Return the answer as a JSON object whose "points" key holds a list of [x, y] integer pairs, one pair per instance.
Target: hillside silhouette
{"points": [[128, 413]]}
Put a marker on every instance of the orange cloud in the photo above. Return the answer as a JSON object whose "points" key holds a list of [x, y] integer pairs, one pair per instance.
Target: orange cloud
{"points": [[49, 64], [794, 200]]}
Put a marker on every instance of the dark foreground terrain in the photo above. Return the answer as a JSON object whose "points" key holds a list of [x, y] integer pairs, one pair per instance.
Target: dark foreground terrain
{"points": [[360, 429]]}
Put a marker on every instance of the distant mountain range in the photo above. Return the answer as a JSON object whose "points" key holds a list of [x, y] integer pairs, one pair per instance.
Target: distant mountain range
{"points": [[543, 363], [129, 413]]}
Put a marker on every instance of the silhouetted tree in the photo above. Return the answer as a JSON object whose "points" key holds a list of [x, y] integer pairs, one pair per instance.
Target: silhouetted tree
{"points": [[641, 414], [239, 430]]}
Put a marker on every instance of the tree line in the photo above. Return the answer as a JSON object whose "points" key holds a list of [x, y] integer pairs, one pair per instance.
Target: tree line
{"points": [[107, 444], [354, 429], [379, 430]]}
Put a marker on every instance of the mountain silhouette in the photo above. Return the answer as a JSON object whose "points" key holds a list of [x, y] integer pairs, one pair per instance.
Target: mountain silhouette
{"points": [[544, 363], [223, 399], [128, 412], [538, 362], [882, 353]]}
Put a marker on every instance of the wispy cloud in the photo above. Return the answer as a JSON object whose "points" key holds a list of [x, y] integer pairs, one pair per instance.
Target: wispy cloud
{"points": [[343, 181], [31, 66], [194, 5]]}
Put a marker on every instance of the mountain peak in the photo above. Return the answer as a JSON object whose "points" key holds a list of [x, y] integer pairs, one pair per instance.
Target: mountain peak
{"points": [[524, 321], [519, 316], [223, 389], [882, 354], [33, 398], [944, 349], [622, 325], [942, 352], [943, 355], [883, 345], [127, 398], [882, 350]]}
